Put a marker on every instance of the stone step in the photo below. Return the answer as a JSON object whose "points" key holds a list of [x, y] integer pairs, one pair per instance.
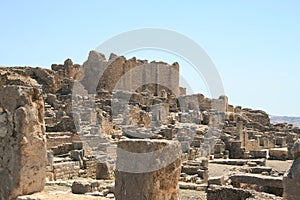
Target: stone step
{"points": [[55, 139], [49, 120], [57, 134], [192, 186], [61, 159], [47, 106], [62, 149]]}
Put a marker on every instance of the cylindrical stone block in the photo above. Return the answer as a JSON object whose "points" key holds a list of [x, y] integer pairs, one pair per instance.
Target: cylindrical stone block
{"points": [[148, 169]]}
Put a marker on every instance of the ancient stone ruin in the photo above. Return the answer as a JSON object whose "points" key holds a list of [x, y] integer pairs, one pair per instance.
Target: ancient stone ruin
{"points": [[291, 180], [125, 129], [22, 141], [148, 169]]}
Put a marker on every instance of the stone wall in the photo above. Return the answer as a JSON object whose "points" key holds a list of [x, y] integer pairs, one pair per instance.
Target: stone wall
{"points": [[49, 80], [22, 141], [228, 193], [132, 74], [66, 170], [68, 69]]}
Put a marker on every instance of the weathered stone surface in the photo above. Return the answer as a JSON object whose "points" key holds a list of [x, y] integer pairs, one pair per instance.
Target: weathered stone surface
{"points": [[216, 180], [27, 76], [22, 141], [270, 184], [235, 150], [103, 171], [259, 170], [81, 187], [228, 193], [118, 72], [291, 181], [68, 69], [65, 124], [267, 181], [278, 153], [148, 169]]}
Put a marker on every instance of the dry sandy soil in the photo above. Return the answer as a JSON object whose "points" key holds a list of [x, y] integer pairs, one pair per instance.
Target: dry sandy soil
{"points": [[192, 195], [221, 170], [60, 193], [64, 193], [67, 195], [62, 196]]}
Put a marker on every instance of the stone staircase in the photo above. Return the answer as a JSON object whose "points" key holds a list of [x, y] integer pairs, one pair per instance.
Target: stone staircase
{"points": [[76, 154]]}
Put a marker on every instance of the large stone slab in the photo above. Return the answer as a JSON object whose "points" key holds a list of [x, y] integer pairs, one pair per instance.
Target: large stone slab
{"points": [[148, 169], [257, 179], [22, 141], [291, 181]]}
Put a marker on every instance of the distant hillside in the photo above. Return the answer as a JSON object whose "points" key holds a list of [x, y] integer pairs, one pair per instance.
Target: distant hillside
{"points": [[282, 119]]}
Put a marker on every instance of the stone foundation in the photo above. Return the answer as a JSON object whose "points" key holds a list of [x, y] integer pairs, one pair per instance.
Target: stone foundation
{"points": [[228, 193]]}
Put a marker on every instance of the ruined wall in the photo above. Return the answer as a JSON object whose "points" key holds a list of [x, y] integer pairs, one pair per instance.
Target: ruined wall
{"points": [[216, 192], [49, 80], [101, 74], [68, 70], [257, 116], [22, 141]]}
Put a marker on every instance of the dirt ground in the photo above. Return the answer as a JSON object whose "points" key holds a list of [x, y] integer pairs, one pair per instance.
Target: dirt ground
{"points": [[192, 195], [221, 170], [64, 192], [56, 192], [280, 166], [62, 196]]}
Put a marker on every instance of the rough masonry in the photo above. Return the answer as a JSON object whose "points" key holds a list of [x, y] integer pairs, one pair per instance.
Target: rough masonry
{"points": [[22, 141]]}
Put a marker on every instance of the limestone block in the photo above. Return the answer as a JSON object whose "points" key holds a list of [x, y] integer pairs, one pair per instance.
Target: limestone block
{"points": [[148, 169], [22, 141], [81, 187], [291, 181], [103, 171], [227, 193], [216, 180]]}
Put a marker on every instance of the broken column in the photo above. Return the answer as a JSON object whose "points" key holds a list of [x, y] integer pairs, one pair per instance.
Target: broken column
{"points": [[291, 181], [240, 133], [148, 169], [22, 141]]}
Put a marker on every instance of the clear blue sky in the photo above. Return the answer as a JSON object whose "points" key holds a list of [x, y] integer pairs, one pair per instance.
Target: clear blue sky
{"points": [[255, 44]]}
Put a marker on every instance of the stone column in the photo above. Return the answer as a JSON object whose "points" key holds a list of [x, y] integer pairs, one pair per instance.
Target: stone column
{"points": [[291, 181], [148, 169], [266, 143], [245, 139], [22, 141], [240, 133]]}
